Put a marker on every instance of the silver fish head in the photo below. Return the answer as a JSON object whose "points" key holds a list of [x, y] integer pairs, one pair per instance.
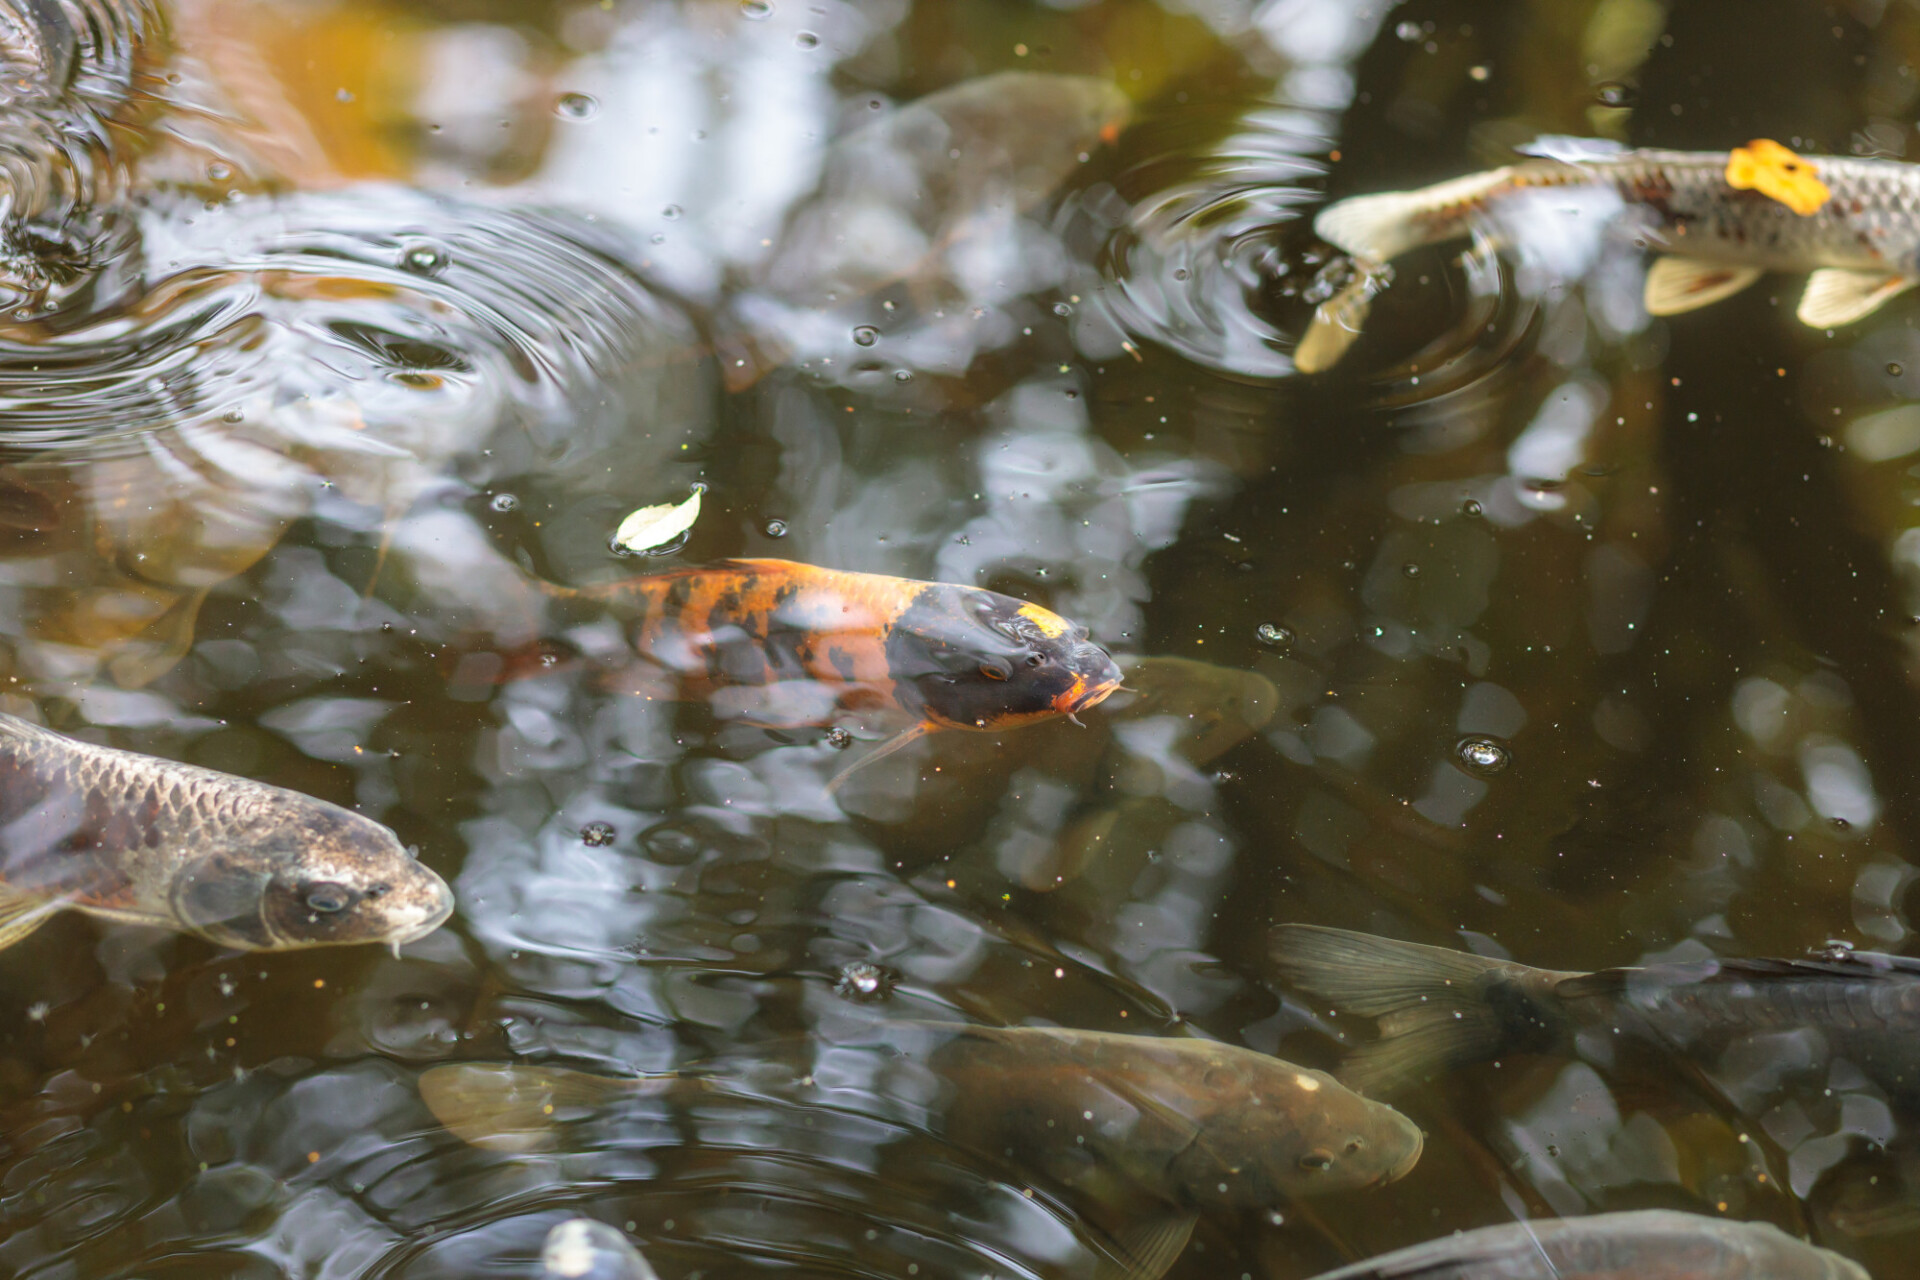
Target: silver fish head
{"points": [[298, 872]]}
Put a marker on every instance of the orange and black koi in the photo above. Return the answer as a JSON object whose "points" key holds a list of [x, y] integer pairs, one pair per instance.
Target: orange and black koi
{"points": [[951, 657]]}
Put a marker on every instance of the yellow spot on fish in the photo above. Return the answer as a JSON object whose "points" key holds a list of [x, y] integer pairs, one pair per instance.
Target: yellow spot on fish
{"points": [[1765, 166], [1050, 623], [1306, 1083]]}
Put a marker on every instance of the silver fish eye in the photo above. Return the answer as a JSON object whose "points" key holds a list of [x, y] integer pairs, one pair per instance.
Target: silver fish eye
{"points": [[327, 898]]}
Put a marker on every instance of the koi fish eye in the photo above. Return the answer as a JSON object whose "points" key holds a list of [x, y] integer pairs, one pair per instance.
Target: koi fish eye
{"points": [[1316, 1161], [327, 897], [994, 670]]}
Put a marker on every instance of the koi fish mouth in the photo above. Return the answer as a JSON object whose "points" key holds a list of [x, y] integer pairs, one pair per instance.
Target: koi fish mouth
{"points": [[1095, 678]]}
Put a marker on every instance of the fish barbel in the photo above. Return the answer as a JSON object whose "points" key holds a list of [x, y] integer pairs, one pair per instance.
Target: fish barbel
{"points": [[1720, 220], [949, 656], [1439, 1008], [243, 864], [1647, 1244]]}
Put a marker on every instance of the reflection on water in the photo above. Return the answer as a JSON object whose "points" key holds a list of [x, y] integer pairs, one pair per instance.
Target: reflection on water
{"points": [[1536, 628]]}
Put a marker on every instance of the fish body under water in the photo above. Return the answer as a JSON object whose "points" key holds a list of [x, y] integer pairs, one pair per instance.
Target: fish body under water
{"points": [[1166, 1126], [948, 656], [1439, 1008], [243, 864], [583, 1249], [1854, 223], [1645, 1244]]}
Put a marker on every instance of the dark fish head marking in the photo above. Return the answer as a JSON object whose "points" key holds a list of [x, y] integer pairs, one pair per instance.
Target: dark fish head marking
{"points": [[304, 873], [969, 659], [1281, 1131]]}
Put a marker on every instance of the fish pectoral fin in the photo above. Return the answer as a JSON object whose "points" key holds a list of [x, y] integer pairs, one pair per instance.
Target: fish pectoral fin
{"points": [[1841, 295], [880, 752], [1146, 1250], [20, 915], [1677, 284]]}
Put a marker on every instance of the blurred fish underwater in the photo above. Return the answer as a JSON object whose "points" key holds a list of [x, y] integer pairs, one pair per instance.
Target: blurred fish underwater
{"points": [[985, 368]]}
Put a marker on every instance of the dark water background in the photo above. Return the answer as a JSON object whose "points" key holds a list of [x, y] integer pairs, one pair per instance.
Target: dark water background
{"points": [[1658, 579]]}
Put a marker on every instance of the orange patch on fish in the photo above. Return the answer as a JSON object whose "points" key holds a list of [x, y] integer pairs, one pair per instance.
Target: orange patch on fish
{"points": [[1051, 624], [1765, 166]]}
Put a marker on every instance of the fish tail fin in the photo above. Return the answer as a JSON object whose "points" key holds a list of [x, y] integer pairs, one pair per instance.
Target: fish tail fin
{"points": [[1431, 1003], [1379, 228], [504, 1107]]}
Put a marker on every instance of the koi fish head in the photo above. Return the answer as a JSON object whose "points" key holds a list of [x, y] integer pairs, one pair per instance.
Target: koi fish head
{"points": [[969, 659], [304, 873]]}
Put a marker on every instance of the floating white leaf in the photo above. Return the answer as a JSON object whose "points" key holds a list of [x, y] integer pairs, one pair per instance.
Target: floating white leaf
{"points": [[650, 528]]}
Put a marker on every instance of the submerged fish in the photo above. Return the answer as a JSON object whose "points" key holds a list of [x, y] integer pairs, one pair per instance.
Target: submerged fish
{"points": [[951, 657], [582, 1249], [1439, 1008], [1173, 1126], [1720, 219], [1648, 1244], [148, 841]]}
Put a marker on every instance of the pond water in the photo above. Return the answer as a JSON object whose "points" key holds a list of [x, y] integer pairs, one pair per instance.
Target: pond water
{"points": [[1535, 627]]}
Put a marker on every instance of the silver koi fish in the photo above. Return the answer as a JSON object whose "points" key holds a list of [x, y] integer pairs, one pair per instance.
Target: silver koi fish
{"points": [[1719, 219]]}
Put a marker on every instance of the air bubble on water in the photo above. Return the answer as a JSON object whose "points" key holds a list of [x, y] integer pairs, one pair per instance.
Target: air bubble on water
{"points": [[755, 10], [1482, 756], [776, 528], [1409, 570], [1181, 273], [1839, 824], [1063, 309], [1472, 509], [234, 415], [1893, 369], [597, 835], [219, 171], [903, 375], [656, 238], [1274, 636], [807, 40], [865, 980], [839, 738], [865, 335], [575, 106], [1409, 31], [424, 259], [504, 502], [671, 212]]}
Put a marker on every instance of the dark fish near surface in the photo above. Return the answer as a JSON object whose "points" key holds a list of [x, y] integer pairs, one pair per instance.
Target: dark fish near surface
{"points": [[582, 1249], [1721, 219], [1647, 1244], [1439, 1008], [951, 657], [1183, 1125], [148, 841]]}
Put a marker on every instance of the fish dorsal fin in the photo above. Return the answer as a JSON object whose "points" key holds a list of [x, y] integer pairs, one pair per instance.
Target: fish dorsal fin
{"points": [[1841, 295], [1676, 284], [1570, 149], [1146, 1250], [503, 1107], [21, 914]]}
